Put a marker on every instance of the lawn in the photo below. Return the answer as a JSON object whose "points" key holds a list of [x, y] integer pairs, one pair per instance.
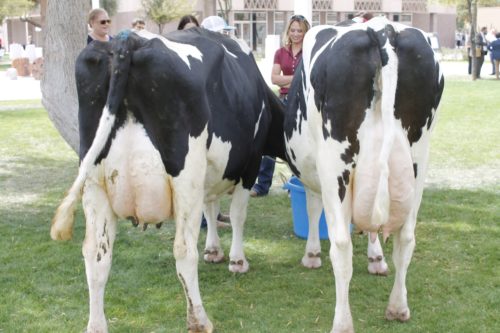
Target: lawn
{"points": [[453, 280]]}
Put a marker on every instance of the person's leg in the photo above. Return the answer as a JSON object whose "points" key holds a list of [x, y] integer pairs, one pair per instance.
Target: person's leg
{"points": [[492, 63], [265, 176], [479, 65], [497, 64]]}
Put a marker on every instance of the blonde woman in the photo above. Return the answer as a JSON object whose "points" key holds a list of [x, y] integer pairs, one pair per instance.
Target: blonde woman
{"points": [[99, 24], [286, 60], [288, 57]]}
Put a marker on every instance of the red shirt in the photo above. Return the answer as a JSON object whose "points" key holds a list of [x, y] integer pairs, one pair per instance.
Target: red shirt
{"points": [[287, 61]]}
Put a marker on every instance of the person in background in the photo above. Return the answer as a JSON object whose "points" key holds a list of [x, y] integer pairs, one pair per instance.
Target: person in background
{"points": [[490, 37], [217, 24], [99, 22], [187, 21], [480, 51], [494, 49], [138, 24], [286, 60], [362, 17]]}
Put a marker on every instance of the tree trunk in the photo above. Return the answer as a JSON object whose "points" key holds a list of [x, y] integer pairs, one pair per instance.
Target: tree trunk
{"points": [[473, 24], [65, 35]]}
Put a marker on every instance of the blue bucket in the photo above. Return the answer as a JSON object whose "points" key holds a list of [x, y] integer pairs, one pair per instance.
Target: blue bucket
{"points": [[299, 210]]}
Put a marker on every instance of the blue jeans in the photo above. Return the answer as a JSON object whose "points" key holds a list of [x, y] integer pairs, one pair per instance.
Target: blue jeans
{"points": [[265, 177]]}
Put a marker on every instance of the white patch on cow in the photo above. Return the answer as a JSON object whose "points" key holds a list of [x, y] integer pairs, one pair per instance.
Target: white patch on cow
{"points": [[257, 124], [136, 180], [183, 50], [217, 159]]}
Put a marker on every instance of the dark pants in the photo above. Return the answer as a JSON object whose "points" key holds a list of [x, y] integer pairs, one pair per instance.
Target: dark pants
{"points": [[492, 63], [265, 177], [479, 64]]}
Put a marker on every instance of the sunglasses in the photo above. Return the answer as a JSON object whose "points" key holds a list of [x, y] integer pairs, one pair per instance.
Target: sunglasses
{"points": [[298, 17], [103, 22]]}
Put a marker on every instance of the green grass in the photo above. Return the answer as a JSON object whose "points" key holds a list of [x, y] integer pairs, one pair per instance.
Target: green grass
{"points": [[453, 281]]}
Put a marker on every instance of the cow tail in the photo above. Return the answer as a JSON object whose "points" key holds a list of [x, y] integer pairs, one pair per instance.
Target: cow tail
{"points": [[62, 223], [389, 78]]}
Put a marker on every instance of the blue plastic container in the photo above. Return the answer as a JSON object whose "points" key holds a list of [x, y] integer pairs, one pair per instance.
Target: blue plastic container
{"points": [[299, 210]]}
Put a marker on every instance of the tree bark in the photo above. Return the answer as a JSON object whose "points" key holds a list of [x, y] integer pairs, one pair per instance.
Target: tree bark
{"points": [[65, 35], [473, 24]]}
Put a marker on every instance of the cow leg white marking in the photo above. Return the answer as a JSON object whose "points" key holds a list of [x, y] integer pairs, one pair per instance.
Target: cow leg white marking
{"points": [[213, 251], [338, 217], [188, 202], [376, 260], [238, 214], [404, 243], [312, 256], [97, 250]]}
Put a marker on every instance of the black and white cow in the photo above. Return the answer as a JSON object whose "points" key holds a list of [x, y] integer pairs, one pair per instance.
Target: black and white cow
{"points": [[167, 125], [357, 126]]}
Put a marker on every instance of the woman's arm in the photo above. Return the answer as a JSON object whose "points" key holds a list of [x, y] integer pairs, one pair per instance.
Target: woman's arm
{"points": [[278, 79]]}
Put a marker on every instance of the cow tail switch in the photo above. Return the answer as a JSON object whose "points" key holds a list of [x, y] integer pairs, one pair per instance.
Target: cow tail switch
{"points": [[389, 78]]}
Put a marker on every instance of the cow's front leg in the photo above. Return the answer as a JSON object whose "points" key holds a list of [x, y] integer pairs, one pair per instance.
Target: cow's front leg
{"points": [[238, 214], [312, 256], [376, 261], [404, 243], [213, 251], [98, 251]]}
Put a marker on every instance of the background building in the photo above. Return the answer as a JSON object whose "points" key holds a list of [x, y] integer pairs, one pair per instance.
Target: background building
{"points": [[255, 20]]}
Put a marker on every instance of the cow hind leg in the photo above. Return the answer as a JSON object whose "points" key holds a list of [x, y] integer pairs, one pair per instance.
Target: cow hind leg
{"points": [[213, 251], [186, 262], [97, 251], [376, 260], [404, 243], [238, 214], [312, 256]]}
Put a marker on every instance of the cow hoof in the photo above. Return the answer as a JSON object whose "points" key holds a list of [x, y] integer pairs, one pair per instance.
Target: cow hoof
{"points": [[201, 328], [311, 260], [213, 255], [238, 266], [378, 266], [400, 315]]}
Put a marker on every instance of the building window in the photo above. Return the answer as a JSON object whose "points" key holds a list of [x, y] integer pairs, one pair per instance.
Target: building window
{"points": [[331, 18], [252, 28], [406, 18], [279, 22], [315, 19]]}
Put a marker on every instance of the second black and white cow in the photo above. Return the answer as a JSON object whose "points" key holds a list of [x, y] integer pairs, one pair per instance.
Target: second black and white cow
{"points": [[357, 126], [167, 125]]}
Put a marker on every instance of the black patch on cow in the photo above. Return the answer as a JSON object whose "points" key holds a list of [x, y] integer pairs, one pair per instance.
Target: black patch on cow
{"points": [[344, 87], [345, 176], [342, 189], [322, 38], [419, 84], [296, 101], [415, 169], [92, 74], [293, 154]]}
